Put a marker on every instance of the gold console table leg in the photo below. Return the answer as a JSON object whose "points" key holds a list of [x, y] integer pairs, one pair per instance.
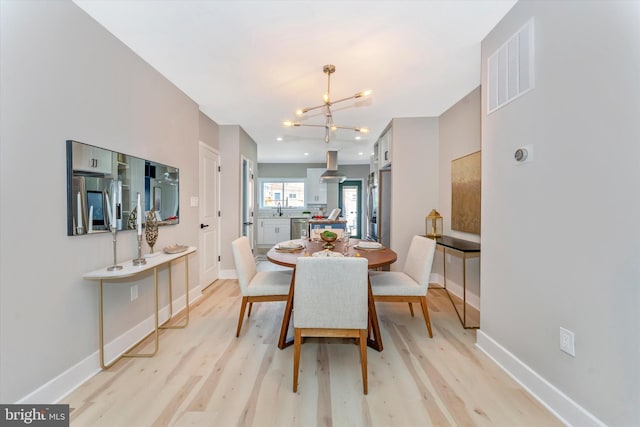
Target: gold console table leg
{"points": [[186, 294], [463, 318], [126, 353]]}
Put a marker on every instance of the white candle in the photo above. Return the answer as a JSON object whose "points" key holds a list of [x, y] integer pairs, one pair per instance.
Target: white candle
{"points": [[108, 209], [79, 212], [114, 201], [90, 226], [139, 217]]}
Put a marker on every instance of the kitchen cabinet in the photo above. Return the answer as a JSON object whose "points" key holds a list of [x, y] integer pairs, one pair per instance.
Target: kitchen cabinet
{"points": [[88, 158], [385, 143], [273, 230], [315, 191]]}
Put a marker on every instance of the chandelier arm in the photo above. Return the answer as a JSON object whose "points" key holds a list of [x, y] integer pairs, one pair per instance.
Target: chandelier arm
{"points": [[357, 129], [311, 125], [306, 110], [328, 100], [343, 99]]}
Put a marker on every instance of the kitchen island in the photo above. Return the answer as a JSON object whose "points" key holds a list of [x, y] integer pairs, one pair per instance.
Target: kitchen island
{"points": [[327, 223]]}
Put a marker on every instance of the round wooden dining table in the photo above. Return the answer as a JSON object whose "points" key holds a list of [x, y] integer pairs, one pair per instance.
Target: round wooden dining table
{"points": [[287, 258]]}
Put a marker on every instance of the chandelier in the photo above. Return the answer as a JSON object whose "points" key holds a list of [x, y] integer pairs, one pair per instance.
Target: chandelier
{"points": [[326, 105]]}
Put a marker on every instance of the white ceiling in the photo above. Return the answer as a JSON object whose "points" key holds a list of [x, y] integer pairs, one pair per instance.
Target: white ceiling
{"points": [[253, 63]]}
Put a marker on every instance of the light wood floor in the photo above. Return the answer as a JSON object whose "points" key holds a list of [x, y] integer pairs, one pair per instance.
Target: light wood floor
{"points": [[204, 376]]}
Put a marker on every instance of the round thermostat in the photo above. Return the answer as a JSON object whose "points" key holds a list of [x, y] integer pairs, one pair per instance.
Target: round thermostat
{"points": [[521, 154]]}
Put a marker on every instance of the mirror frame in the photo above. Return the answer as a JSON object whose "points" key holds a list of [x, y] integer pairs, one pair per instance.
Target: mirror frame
{"points": [[151, 196]]}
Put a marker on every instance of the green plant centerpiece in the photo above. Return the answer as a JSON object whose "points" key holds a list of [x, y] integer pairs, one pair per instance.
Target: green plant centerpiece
{"points": [[328, 237]]}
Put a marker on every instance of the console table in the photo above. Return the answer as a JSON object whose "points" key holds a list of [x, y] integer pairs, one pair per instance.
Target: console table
{"points": [[464, 247], [130, 270]]}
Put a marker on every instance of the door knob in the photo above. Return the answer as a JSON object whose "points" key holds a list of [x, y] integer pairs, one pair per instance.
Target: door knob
{"points": [[204, 225]]}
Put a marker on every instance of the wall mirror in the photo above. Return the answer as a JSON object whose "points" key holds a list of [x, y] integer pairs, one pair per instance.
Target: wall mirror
{"points": [[90, 173]]}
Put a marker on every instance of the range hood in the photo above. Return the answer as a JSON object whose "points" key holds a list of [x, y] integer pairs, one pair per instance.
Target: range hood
{"points": [[332, 174]]}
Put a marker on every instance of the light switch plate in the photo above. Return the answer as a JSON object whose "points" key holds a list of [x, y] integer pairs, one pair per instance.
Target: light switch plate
{"points": [[194, 201]]}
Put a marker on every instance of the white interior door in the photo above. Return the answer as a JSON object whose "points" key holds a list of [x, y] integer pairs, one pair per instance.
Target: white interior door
{"points": [[248, 197], [209, 227]]}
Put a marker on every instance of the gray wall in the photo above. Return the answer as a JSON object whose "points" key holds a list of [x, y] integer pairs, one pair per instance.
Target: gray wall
{"points": [[209, 131], [560, 235], [234, 143], [414, 180], [459, 135], [65, 77]]}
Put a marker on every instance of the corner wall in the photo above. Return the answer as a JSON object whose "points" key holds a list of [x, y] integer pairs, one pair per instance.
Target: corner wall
{"points": [[459, 135], [560, 234], [414, 180], [63, 76]]}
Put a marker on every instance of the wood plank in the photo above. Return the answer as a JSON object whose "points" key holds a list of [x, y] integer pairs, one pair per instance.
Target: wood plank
{"points": [[203, 375]]}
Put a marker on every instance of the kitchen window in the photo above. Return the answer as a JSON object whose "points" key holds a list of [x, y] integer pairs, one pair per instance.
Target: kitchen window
{"points": [[286, 193]]}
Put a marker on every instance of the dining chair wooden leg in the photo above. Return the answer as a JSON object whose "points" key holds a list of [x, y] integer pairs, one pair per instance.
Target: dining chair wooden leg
{"points": [[297, 341], [363, 360], [425, 312], [243, 305], [410, 308], [250, 307]]}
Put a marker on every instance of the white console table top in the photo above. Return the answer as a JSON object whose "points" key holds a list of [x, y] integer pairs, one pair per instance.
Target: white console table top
{"points": [[128, 269]]}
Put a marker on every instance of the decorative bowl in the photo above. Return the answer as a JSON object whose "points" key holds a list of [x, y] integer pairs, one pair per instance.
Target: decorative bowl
{"points": [[328, 240]]}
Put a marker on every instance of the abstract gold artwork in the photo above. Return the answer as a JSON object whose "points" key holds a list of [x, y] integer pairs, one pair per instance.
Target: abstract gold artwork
{"points": [[466, 193]]}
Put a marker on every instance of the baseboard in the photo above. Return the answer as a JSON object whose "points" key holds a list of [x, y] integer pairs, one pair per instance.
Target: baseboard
{"points": [[456, 289], [563, 407], [62, 385], [228, 274]]}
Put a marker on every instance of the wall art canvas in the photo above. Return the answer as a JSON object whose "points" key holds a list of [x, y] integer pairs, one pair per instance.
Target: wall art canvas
{"points": [[466, 193]]}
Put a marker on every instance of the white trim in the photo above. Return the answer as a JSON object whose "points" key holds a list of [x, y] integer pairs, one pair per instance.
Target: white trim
{"points": [[561, 405], [228, 274], [65, 383], [456, 289]]}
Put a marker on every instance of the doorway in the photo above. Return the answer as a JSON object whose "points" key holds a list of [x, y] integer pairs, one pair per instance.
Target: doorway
{"points": [[350, 201], [208, 212]]}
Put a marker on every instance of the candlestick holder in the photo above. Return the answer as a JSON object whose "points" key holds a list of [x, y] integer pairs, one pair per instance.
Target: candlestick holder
{"points": [[140, 260], [115, 265]]}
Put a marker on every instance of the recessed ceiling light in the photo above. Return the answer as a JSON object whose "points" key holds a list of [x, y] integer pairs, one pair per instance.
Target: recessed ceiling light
{"points": [[360, 153], [306, 154], [279, 138], [357, 137]]}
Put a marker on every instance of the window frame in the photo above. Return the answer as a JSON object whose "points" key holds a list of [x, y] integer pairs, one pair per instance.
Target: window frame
{"points": [[262, 181]]}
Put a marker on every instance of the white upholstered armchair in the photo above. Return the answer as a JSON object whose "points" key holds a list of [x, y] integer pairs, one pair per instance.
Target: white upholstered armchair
{"points": [[257, 286], [331, 300], [412, 283]]}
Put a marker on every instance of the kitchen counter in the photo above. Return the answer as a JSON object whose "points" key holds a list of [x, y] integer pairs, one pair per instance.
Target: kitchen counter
{"points": [[327, 221]]}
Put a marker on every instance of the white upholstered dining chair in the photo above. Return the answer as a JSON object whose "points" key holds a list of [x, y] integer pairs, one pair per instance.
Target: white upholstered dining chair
{"points": [[257, 286], [412, 283], [331, 300]]}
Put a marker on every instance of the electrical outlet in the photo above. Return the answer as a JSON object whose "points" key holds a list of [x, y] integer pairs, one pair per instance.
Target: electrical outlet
{"points": [[567, 342], [134, 292]]}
